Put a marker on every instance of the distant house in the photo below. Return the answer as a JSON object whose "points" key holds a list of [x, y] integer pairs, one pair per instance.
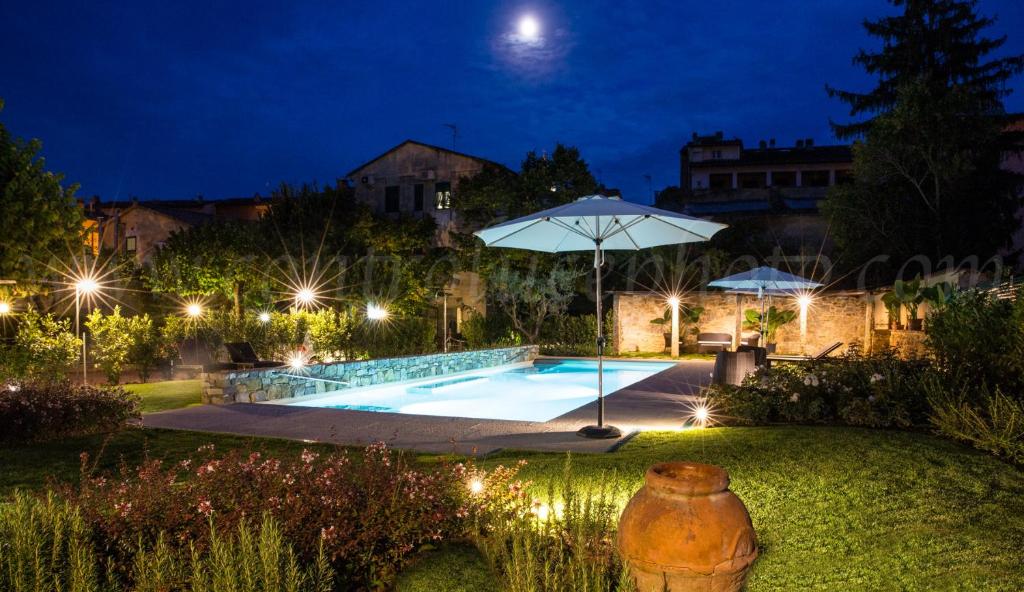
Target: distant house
{"points": [[417, 179], [137, 228], [780, 187], [1014, 161]]}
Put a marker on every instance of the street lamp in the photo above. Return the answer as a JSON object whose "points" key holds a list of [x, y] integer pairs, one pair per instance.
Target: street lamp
{"points": [[84, 287]]}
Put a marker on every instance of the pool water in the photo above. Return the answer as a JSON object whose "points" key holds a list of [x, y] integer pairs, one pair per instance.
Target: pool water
{"points": [[540, 391]]}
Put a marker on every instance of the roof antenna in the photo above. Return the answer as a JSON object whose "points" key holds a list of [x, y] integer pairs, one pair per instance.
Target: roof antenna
{"points": [[455, 132]]}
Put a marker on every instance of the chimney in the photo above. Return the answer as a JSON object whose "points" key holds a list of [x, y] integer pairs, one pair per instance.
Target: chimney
{"points": [[809, 142], [771, 142], [762, 144], [799, 143]]}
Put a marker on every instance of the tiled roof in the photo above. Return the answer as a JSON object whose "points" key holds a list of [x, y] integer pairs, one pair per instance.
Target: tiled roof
{"points": [[353, 172]]}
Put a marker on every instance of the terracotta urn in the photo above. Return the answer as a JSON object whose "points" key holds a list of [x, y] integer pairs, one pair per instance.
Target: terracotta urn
{"points": [[685, 531]]}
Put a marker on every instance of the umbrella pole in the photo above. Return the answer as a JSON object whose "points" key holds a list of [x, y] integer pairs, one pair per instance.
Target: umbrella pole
{"points": [[600, 430]]}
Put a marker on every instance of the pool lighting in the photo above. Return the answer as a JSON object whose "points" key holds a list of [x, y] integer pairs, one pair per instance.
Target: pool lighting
{"points": [[264, 317], [476, 486], [376, 312], [5, 307]]}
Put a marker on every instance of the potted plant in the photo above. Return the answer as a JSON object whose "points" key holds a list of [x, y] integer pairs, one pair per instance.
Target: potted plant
{"points": [[774, 318], [893, 306], [910, 296], [689, 317]]}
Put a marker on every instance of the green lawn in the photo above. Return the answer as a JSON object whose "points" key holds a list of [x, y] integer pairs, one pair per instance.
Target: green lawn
{"points": [[170, 394], [834, 508]]}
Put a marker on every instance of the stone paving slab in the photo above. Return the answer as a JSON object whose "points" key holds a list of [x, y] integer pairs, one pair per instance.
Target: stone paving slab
{"points": [[659, 401]]}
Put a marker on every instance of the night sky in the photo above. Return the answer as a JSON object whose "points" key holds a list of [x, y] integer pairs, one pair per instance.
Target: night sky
{"points": [[226, 99]]}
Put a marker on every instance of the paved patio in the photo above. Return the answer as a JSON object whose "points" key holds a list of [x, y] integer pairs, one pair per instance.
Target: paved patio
{"points": [[657, 402]]}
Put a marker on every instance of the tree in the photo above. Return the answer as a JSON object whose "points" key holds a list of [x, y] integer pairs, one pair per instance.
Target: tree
{"points": [[927, 176], [530, 297], [221, 258], [40, 215], [44, 350]]}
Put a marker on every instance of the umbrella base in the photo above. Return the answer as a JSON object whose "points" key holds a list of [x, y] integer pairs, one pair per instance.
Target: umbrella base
{"points": [[599, 432]]}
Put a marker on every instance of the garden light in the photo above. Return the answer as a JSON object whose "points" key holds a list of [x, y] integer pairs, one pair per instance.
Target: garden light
{"points": [[804, 300], [673, 301], [86, 286], [700, 414], [476, 486], [296, 361], [305, 297], [5, 307], [264, 317], [194, 310], [376, 312]]}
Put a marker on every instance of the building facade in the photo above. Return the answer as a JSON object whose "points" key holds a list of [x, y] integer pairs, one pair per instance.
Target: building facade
{"points": [[417, 179], [138, 228]]}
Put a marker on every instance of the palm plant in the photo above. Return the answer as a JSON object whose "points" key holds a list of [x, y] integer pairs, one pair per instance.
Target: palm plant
{"points": [[773, 319]]}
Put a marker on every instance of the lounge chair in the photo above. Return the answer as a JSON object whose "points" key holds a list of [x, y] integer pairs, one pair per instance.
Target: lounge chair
{"points": [[713, 342], [811, 358], [242, 354]]}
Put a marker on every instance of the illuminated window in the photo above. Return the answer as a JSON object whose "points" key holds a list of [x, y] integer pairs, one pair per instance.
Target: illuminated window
{"points": [[443, 195], [417, 197], [131, 245], [391, 199]]}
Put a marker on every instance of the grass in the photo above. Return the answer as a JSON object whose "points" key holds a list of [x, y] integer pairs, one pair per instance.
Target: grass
{"points": [[837, 508], [169, 394], [32, 466], [834, 508]]}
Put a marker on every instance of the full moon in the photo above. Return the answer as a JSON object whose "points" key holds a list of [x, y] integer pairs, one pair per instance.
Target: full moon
{"points": [[529, 28]]}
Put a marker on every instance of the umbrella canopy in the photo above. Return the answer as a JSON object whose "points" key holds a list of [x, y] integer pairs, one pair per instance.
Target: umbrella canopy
{"points": [[617, 224], [598, 223], [764, 280]]}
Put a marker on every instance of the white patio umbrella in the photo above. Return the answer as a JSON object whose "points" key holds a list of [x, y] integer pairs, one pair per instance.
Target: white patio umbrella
{"points": [[598, 223], [765, 281]]}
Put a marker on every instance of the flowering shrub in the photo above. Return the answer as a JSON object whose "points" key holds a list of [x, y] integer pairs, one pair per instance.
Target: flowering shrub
{"points": [[40, 412], [878, 390], [368, 514]]}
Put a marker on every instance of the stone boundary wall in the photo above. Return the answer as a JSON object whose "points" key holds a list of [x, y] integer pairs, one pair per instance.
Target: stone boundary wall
{"points": [[265, 384], [835, 316]]}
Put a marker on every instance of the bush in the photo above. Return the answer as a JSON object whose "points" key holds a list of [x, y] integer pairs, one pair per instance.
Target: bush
{"points": [[118, 341], [332, 333], [44, 350], [41, 412], [561, 543], [45, 544], [991, 421], [367, 515], [977, 339], [396, 337], [570, 336], [485, 331], [877, 390]]}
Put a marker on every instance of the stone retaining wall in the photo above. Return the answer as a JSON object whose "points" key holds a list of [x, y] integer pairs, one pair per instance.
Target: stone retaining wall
{"points": [[265, 384], [833, 316]]}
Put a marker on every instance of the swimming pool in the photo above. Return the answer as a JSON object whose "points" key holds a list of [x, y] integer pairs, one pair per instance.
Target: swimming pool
{"points": [[538, 391]]}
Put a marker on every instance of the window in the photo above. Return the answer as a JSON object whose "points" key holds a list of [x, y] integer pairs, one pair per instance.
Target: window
{"points": [[784, 179], [814, 179], [417, 197], [720, 180], [751, 180], [716, 154], [131, 245], [443, 195], [391, 199]]}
